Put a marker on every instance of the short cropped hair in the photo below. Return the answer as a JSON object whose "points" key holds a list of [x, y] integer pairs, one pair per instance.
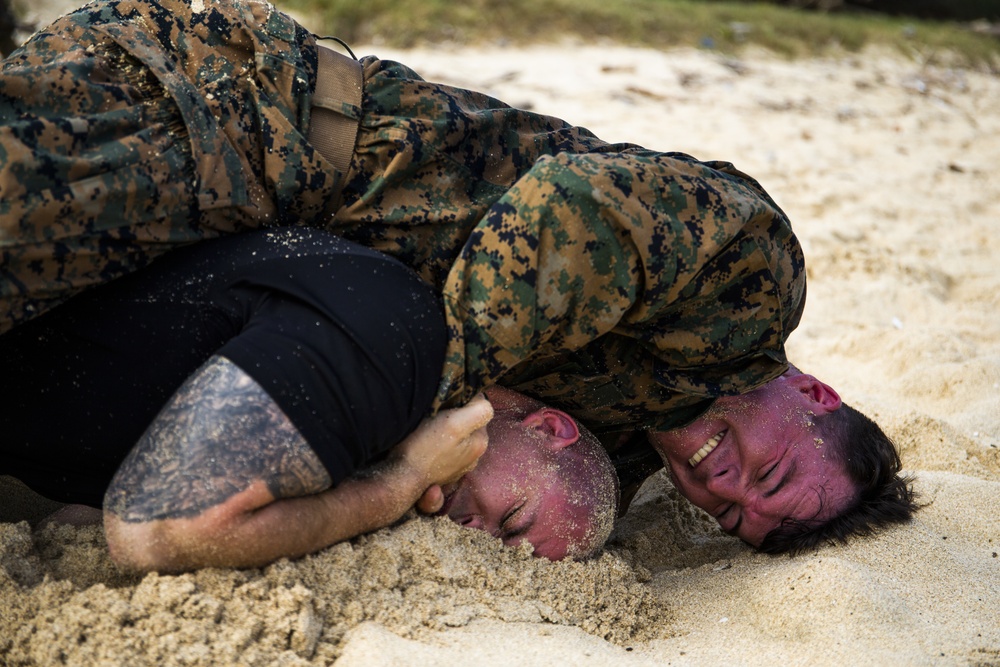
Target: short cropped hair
{"points": [[596, 476], [589, 472], [884, 496]]}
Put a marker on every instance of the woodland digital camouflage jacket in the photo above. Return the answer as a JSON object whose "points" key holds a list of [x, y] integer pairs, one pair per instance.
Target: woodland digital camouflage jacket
{"points": [[627, 286]]}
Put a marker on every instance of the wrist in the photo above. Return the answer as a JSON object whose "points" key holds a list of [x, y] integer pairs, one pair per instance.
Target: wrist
{"points": [[402, 479]]}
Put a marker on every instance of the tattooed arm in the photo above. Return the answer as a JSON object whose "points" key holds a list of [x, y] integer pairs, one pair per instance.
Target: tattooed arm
{"points": [[223, 478]]}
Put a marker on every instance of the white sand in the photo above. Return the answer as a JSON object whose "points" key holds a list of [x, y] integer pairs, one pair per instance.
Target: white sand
{"points": [[887, 170]]}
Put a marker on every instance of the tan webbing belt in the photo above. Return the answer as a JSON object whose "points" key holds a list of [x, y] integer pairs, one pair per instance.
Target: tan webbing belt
{"points": [[336, 108]]}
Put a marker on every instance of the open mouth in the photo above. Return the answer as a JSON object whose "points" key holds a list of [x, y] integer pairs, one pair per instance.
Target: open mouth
{"points": [[707, 448]]}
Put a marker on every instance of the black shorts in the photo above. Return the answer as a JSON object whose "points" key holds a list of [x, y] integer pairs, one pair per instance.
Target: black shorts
{"points": [[348, 342]]}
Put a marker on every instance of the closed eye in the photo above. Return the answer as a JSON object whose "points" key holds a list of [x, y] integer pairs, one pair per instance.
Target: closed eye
{"points": [[789, 473], [510, 527]]}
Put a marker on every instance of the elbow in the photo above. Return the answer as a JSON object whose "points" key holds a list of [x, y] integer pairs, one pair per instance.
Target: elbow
{"points": [[216, 537], [134, 547], [143, 547], [154, 546]]}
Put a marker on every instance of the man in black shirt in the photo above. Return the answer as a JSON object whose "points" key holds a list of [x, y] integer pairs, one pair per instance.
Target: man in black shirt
{"points": [[263, 376]]}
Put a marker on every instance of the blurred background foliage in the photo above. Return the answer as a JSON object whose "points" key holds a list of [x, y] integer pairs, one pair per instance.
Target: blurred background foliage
{"points": [[959, 10], [963, 32], [8, 27], [963, 29]]}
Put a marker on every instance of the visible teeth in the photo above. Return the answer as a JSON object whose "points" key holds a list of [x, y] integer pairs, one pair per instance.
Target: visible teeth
{"points": [[706, 449]]}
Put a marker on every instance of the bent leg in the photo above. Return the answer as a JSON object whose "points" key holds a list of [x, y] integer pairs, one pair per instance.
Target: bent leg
{"points": [[128, 129], [96, 172]]}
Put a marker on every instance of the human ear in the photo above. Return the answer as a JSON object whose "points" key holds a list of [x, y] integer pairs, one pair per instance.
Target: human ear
{"points": [[822, 396], [559, 428]]}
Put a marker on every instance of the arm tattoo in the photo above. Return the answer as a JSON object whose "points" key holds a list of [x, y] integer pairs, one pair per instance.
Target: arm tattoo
{"points": [[216, 436]]}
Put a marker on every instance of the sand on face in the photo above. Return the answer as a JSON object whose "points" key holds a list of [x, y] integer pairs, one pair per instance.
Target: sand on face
{"points": [[885, 166]]}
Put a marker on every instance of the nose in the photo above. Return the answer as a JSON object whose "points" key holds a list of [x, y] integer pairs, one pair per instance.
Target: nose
{"points": [[472, 521], [726, 484]]}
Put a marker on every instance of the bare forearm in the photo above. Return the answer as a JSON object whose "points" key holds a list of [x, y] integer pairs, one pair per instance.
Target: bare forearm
{"points": [[254, 528]]}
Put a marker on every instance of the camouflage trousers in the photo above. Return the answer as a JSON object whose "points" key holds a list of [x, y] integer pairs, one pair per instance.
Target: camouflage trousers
{"points": [[128, 128]]}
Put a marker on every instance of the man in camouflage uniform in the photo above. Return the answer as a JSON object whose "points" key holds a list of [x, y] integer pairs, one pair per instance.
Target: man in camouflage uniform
{"points": [[114, 154], [629, 287]]}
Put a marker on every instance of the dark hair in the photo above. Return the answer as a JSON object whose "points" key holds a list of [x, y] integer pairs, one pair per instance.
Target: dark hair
{"points": [[870, 458]]}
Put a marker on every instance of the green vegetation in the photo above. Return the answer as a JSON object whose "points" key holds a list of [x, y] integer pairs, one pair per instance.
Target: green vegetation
{"points": [[955, 10], [726, 26]]}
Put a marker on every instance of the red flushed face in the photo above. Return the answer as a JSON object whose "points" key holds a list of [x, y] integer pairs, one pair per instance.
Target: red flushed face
{"points": [[754, 460], [522, 489]]}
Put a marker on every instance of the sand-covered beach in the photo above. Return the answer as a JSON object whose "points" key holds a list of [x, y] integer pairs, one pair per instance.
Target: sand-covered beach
{"points": [[886, 166]]}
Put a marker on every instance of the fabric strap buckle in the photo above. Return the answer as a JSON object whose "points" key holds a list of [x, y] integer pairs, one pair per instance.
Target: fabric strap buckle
{"points": [[336, 108]]}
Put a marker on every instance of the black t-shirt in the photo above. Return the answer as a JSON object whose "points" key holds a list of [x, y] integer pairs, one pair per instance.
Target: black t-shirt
{"points": [[348, 342]]}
